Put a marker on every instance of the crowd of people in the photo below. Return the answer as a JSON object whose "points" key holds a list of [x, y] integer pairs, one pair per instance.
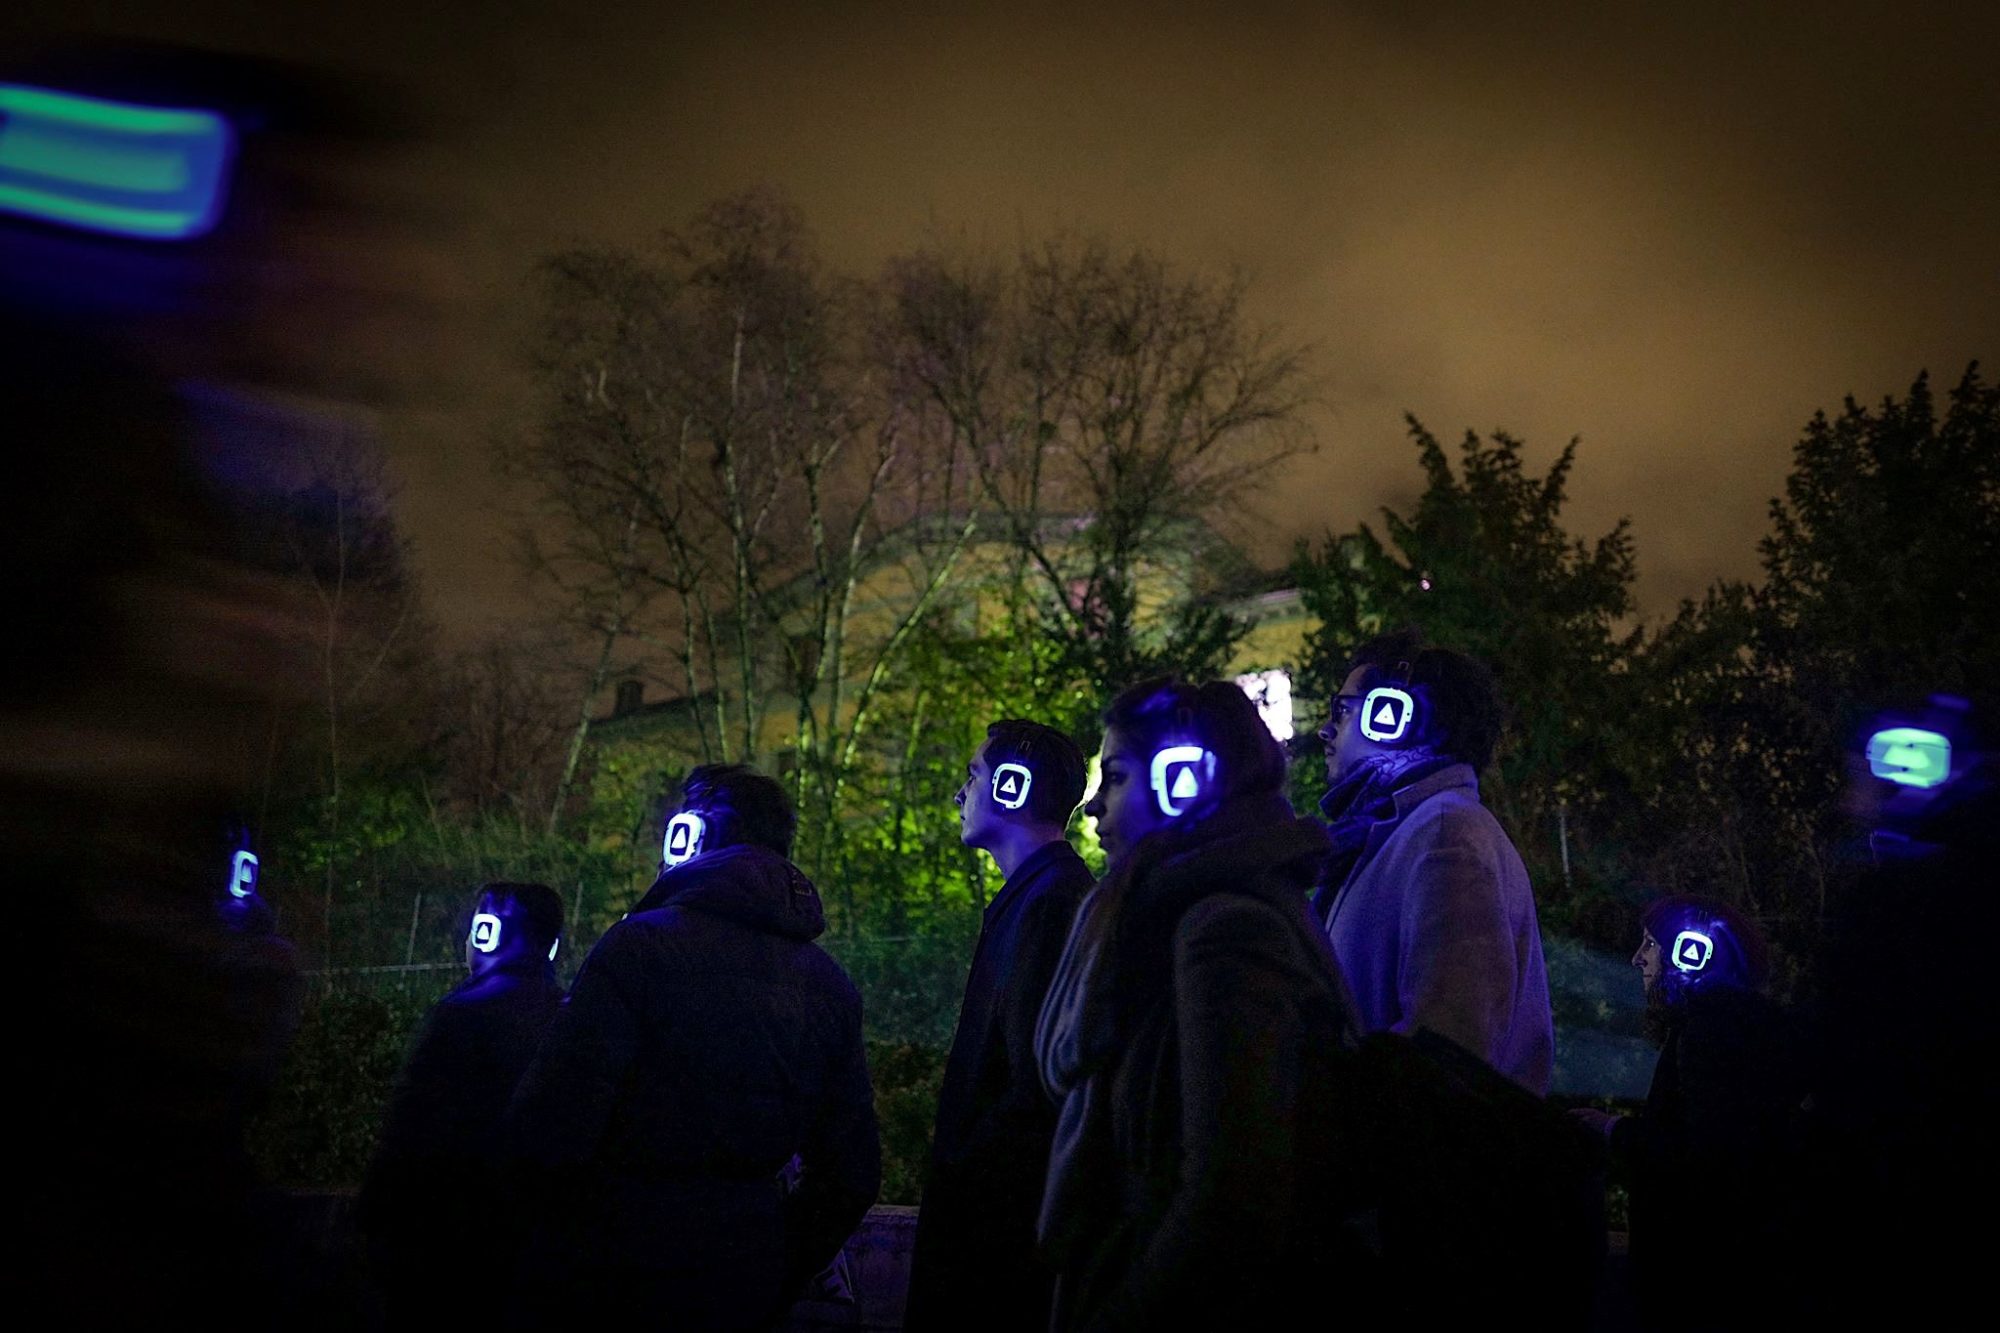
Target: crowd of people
{"points": [[1267, 1061], [1267, 1064]]}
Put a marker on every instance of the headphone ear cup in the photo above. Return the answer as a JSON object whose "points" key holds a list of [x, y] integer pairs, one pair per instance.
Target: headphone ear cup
{"points": [[1182, 777]]}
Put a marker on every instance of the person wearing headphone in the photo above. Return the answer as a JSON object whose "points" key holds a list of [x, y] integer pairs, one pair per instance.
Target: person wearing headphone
{"points": [[709, 1057], [1191, 1037], [1423, 897], [974, 1265], [1711, 1187], [433, 1204]]}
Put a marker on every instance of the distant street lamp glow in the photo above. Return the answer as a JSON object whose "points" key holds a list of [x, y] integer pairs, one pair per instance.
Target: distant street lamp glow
{"points": [[1271, 691]]}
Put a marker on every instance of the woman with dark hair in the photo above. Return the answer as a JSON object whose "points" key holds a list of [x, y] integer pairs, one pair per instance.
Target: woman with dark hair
{"points": [[1190, 1034], [1708, 1159]]}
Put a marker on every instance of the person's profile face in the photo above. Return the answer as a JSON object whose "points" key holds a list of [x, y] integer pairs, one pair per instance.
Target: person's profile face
{"points": [[1123, 805], [1647, 959], [1345, 745], [979, 816]]}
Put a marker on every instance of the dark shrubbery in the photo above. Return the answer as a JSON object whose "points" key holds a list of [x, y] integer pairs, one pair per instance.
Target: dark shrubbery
{"points": [[318, 1129]]}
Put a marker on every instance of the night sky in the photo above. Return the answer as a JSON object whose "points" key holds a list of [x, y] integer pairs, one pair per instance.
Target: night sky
{"points": [[1675, 235]]}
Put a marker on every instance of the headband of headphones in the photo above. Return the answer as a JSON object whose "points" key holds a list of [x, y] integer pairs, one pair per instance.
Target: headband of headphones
{"points": [[685, 834]]}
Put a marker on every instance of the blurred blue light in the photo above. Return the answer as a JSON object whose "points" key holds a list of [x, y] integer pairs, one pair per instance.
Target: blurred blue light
{"points": [[156, 173], [243, 874]]}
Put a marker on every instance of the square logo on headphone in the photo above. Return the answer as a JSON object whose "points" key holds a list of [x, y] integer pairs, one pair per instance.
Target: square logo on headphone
{"points": [[1011, 783], [1386, 713], [485, 932], [1692, 950], [683, 840], [1179, 775]]}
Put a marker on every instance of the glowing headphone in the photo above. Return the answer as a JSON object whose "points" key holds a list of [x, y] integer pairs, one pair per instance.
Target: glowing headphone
{"points": [[487, 932], [1011, 784], [1182, 774], [685, 833], [243, 873], [1389, 712], [1910, 756], [1692, 950]]}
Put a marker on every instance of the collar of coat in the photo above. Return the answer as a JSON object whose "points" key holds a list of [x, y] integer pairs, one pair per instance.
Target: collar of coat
{"points": [[750, 885]]}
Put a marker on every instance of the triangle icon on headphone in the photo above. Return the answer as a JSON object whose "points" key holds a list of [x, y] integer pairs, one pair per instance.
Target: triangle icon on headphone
{"points": [[1692, 953], [1386, 718], [1185, 787], [1010, 786]]}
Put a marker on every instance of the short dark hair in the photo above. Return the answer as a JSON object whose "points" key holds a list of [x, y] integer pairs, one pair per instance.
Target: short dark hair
{"points": [[1466, 713], [741, 805], [539, 907], [1220, 717], [1055, 760]]}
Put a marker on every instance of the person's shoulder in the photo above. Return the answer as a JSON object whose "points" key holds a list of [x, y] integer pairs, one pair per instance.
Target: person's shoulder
{"points": [[1061, 883], [826, 974], [1221, 920], [1453, 816]]}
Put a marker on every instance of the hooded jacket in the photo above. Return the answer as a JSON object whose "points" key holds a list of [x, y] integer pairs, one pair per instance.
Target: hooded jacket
{"points": [[1435, 927], [707, 1044]]}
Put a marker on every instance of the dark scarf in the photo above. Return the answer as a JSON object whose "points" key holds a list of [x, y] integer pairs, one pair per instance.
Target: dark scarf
{"points": [[1129, 918], [1363, 798]]}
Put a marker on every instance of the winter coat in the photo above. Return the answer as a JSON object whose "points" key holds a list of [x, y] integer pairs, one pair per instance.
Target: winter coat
{"points": [[1711, 1164], [434, 1200], [707, 1044], [974, 1266], [1435, 927], [1201, 1088]]}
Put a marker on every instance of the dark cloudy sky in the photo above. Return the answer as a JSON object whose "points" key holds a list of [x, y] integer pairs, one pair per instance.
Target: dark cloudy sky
{"points": [[1674, 234]]}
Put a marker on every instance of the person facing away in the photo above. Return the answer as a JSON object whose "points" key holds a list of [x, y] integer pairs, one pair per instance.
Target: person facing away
{"points": [[1423, 897], [697, 1136], [433, 1204], [974, 1264], [1709, 1156], [1192, 1037]]}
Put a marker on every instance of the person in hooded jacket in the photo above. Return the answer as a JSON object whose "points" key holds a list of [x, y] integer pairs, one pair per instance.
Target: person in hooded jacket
{"points": [[434, 1205], [1191, 1037], [697, 1137], [974, 1264], [1712, 1175]]}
